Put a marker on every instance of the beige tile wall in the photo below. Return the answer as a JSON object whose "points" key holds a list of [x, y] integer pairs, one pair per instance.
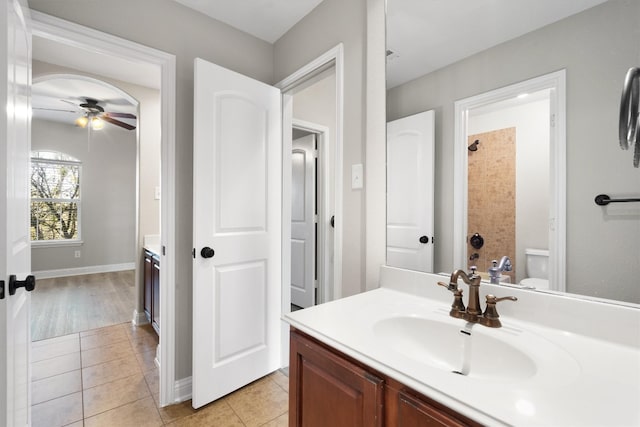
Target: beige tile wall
{"points": [[491, 197]]}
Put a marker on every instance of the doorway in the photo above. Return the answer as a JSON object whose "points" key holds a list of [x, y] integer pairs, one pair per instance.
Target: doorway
{"points": [[312, 196], [311, 225], [550, 88], [124, 56], [83, 201]]}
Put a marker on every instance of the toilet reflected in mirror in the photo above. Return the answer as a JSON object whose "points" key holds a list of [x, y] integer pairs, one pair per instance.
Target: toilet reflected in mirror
{"points": [[537, 269]]}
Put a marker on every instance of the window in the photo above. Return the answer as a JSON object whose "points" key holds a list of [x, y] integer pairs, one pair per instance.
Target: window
{"points": [[55, 197]]}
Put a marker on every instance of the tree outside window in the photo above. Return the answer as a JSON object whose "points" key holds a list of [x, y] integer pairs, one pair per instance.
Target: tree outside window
{"points": [[55, 197]]}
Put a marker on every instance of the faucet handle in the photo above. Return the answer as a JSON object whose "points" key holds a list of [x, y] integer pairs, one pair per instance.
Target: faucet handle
{"points": [[457, 308], [490, 317], [451, 286]]}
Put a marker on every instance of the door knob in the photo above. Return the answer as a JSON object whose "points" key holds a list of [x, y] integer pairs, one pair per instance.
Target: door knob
{"points": [[29, 283], [424, 239], [207, 252]]}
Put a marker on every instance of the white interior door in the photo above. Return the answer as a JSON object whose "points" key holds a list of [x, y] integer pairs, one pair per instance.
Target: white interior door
{"points": [[237, 231], [410, 187], [303, 221], [15, 251]]}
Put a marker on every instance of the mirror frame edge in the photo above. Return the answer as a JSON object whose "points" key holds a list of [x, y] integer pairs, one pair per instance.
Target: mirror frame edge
{"points": [[558, 168]]}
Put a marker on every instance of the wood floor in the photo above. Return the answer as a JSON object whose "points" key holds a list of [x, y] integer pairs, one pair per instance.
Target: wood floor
{"points": [[67, 305]]}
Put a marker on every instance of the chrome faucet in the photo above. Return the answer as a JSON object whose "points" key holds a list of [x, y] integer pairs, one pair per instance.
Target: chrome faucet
{"points": [[495, 272], [472, 313]]}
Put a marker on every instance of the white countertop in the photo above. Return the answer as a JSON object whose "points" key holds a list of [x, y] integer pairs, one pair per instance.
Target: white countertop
{"points": [[151, 242], [591, 375]]}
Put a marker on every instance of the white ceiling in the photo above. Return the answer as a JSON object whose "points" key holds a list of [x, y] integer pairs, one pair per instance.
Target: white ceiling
{"points": [[266, 19], [426, 35]]}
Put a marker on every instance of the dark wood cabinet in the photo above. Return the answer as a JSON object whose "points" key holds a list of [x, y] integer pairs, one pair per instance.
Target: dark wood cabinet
{"points": [[328, 388], [152, 289]]}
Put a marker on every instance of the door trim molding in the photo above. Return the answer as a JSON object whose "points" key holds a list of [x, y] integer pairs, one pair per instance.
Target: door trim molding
{"points": [[333, 57], [86, 38]]}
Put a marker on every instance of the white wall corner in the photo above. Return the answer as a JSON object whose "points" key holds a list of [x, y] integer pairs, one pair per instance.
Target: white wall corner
{"points": [[375, 146]]}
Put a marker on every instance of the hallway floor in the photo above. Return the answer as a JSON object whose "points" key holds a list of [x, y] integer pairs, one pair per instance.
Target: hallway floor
{"points": [[107, 377], [65, 305]]}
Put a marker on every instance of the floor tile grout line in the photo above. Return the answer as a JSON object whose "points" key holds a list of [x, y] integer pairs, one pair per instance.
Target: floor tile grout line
{"points": [[82, 387], [234, 411]]}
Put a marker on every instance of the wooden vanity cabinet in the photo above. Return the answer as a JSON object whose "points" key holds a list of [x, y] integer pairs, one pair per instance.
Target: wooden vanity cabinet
{"points": [[152, 289], [328, 388]]}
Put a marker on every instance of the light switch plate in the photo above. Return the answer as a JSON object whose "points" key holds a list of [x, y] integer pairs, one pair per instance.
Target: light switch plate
{"points": [[357, 176]]}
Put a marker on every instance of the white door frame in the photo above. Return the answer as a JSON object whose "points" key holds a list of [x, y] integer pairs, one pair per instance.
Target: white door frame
{"points": [[82, 37], [555, 81], [333, 57], [324, 249]]}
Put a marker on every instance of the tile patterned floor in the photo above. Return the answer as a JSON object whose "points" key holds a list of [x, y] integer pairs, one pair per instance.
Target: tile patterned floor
{"points": [[107, 377]]}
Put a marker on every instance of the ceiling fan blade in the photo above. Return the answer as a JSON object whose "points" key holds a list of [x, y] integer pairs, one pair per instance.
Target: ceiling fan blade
{"points": [[122, 115], [53, 109], [71, 103], [113, 121]]}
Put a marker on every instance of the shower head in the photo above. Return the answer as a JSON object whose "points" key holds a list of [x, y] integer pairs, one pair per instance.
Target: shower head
{"points": [[474, 145]]}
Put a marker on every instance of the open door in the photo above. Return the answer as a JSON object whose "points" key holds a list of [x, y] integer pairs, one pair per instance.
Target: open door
{"points": [[15, 251], [236, 231], [410, 189], [303, 221]]}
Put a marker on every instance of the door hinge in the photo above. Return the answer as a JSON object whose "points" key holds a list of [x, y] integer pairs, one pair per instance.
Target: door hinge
{"points": [[553, 120], [315, 219]]}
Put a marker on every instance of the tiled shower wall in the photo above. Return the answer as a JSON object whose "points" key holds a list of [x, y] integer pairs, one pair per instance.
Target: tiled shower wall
{"points": [[492, 198]]}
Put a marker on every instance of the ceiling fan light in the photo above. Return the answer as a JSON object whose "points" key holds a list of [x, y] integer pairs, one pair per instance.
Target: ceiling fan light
{"points": [[96, 123], [82, 121]]}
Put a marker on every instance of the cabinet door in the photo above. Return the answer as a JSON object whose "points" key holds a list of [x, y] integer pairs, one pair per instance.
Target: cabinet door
{"points": [[327, 390], [155, 292], [414, 412], [148, 268]]}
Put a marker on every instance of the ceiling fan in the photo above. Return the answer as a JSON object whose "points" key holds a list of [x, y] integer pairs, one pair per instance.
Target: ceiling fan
{"points": [[94, 116]]}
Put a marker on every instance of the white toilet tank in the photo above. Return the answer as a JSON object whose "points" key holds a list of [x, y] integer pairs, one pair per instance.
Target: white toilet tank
{"points": [[537, 268]]}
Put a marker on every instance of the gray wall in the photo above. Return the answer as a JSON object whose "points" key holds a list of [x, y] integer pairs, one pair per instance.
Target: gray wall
{"points": [[108, 194], [595, 47], [173, 28]]}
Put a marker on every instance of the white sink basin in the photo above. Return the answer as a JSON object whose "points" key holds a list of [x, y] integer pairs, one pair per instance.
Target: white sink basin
{"points": [[471, 350]]}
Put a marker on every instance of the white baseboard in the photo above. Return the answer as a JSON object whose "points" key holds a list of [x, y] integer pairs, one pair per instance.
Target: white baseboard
{"points": [[64, 272], [182, 389], [139, 318]]}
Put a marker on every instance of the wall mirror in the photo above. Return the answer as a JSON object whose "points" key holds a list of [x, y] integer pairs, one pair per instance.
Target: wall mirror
{"points": [[440, 53]]}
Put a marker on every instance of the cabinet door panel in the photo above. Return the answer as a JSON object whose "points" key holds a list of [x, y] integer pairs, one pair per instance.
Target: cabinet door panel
{"points": [[416, 413], [327, 390]]}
